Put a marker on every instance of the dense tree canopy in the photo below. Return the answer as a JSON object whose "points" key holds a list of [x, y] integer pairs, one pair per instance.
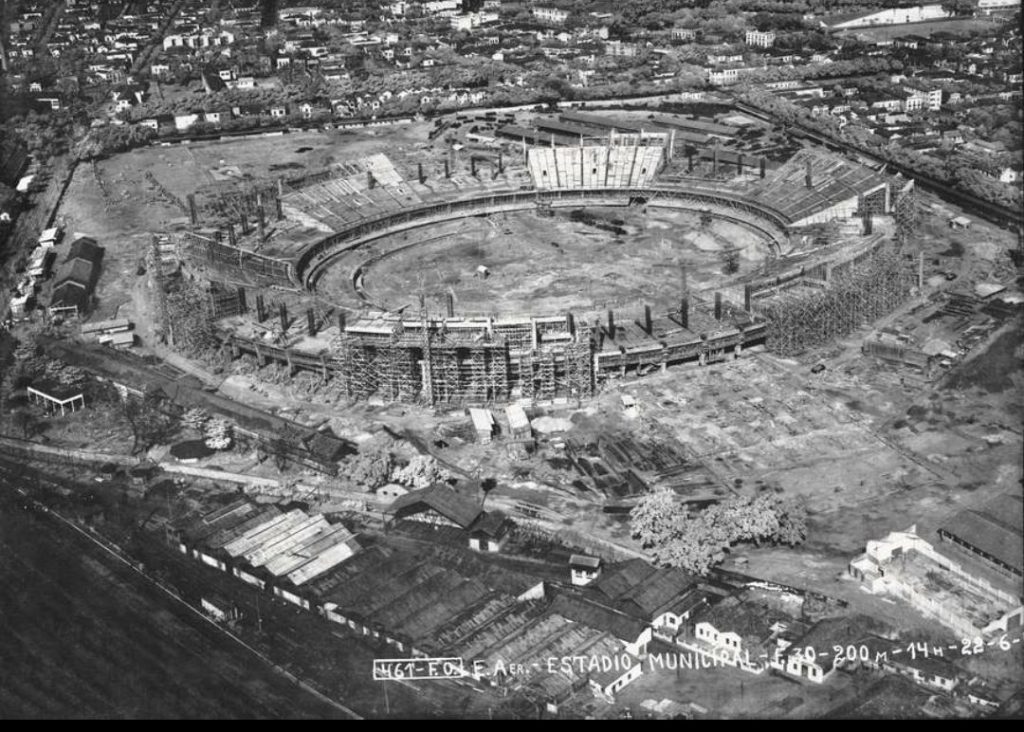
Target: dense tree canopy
{"points": [[697, 541]]}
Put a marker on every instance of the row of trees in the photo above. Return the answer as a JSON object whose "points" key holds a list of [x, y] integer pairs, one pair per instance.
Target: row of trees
{"points": [[696, 541]]}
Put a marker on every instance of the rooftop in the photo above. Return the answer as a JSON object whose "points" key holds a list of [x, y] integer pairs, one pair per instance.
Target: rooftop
{"points": [[996, 528], [440, 497]]}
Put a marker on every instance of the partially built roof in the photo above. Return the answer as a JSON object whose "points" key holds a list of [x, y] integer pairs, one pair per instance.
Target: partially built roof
{"points": [[833, 180]]}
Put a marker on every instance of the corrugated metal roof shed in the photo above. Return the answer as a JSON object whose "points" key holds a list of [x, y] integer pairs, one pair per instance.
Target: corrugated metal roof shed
{"points": [[255, 536], [286, 541]]}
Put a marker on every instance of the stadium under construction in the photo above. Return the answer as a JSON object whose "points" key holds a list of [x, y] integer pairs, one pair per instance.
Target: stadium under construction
{"points": [[276, 240]]}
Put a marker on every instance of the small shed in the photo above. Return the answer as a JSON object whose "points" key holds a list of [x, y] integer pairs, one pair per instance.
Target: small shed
{"points": [[518, 423], [219, 608], [483, 423], [584, 569], [959, 222], [490, 532]]}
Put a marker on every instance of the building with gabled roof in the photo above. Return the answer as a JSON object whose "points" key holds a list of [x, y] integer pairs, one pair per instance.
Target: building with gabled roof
{"points": [[438, 504], [992, 533]]}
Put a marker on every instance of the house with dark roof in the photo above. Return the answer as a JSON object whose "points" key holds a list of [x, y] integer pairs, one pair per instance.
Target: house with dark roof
{"points": [[439, 504], [85, 249], [77, 277], [634, 633], [490, 532]]}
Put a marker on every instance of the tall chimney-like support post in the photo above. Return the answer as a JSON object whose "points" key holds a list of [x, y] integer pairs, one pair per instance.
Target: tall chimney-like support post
{"points": [[684, 312], [310, 321], [283, 310], [718, 306], [746, 297], [808, 179], [611, 325], [341, 322], [764, 164]]}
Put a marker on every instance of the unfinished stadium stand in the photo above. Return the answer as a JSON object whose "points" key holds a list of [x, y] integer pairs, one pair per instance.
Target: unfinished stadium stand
{"points": [[596, 166]]}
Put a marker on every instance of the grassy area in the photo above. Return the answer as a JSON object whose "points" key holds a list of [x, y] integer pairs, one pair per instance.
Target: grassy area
{"points": [[962, 25]]}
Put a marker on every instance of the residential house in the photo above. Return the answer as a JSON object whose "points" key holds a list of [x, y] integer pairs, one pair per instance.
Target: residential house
{"points": [[739, 632], [547, 14], [760, 39]]}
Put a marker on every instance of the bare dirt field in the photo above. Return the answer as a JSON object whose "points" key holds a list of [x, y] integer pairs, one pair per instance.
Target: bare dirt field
{"points": [[585, 259], [123, 201]]}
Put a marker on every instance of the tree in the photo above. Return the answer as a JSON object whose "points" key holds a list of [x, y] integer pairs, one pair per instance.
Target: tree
{"points": [[421, 472], [196, 418], [655, 517], [150, 424], [372, 466], [958, 7], [25, 422], [218, 434], [696, 542]]}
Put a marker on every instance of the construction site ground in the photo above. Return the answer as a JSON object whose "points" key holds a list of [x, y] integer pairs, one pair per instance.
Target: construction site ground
{"points": [[606, 257]]}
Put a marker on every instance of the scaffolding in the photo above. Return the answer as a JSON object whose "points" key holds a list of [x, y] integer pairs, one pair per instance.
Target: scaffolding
{"points": [[814, 312]]}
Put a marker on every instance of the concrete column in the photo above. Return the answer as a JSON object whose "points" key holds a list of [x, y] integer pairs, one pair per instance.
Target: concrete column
{"points": [[243, 306], [283, 311], [718, 306], [341, 321], [746, 297], [611, 325], [310, 321]]}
